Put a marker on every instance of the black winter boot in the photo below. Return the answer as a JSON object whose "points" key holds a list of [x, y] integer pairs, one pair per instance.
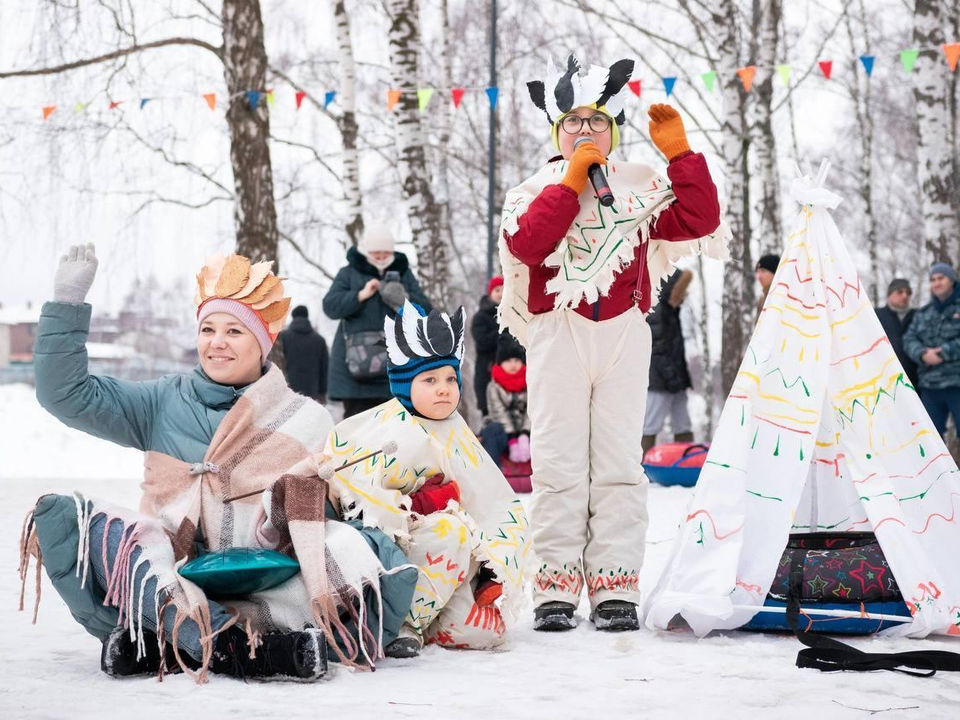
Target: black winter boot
{"points": [[118, 655], [403, 647], [554, 617], [615, 616], [300, 655]]}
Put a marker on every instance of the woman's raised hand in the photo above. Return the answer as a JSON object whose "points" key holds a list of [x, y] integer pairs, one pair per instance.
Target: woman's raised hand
{"points": [[369, 290], [75, 274]]}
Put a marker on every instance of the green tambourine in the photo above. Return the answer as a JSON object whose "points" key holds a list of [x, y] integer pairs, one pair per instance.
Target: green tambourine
{"points": [[239, 571]]}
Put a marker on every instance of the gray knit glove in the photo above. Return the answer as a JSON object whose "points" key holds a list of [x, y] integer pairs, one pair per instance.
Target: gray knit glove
{"points": [[75, 274], [393, 294]]}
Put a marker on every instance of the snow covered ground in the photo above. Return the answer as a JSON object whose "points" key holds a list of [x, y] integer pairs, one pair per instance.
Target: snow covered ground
{"points": [[51, 670]]}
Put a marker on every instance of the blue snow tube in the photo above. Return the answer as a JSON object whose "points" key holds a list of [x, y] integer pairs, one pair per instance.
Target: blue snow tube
{"points": [[684, 470], [867, 625]]}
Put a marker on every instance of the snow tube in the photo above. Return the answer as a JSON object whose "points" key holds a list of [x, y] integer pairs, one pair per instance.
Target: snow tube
{"points": [[866, 625], [517, 474], [677, 463]]}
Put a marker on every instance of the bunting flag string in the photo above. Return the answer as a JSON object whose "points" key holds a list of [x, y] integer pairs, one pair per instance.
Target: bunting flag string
{"points": [[255, 98]]}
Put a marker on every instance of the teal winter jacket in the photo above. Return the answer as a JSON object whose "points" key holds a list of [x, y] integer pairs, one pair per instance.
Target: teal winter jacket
{"points": [[936, 324]]}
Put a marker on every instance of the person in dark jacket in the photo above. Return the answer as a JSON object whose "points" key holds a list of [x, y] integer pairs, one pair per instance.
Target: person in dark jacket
{"points": [[766, 268], [933, 341], [373, 285], [485, 330], [669, 375], [307, 357], [895, 317]]}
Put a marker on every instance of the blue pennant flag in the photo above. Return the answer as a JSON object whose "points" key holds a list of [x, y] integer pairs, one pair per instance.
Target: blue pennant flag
{"points": [[668, 83], [328, 98], [144, 101], [253, 97], [867, 61], [493, 93]]}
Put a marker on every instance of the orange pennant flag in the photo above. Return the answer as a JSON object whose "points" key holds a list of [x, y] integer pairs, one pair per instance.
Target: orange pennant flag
{"points": [[115, 104], [952, 51], [746, 76], [211, 99], [48, 111], [393, 97]]}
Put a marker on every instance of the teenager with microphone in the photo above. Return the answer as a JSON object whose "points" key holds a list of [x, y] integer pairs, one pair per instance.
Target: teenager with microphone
{"points": [[579, 275]]}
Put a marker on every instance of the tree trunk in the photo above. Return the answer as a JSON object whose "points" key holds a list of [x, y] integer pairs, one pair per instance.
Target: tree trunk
{"points": [[738, 291], [706, 358], [244, 69], [422, 209], [938, 179], [347, 97], [770, 229]]}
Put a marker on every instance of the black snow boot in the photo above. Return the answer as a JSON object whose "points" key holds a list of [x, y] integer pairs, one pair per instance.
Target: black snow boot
{"points": [[118, 655], [301, 655], [554, 616], [615, 616], [403, 647]]}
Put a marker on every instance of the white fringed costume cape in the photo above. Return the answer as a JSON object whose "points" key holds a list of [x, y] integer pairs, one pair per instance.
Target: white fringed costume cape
{"points": [[600, 243], [377, 488]]}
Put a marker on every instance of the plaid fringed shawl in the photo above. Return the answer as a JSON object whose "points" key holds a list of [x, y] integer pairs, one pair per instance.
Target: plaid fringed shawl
{"points": [[270, 429]]}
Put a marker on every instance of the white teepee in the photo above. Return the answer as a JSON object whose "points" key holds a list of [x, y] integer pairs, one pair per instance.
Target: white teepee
{"points": [[822, 430]]}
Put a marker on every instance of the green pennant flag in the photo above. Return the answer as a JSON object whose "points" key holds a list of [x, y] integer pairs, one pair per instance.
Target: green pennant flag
{"points": [[423, 97], [784, 72], [79, 107], [908, 58], [709, 78]]}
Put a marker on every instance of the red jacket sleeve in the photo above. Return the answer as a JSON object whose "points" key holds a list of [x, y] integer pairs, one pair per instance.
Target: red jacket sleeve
{"points": [[696, 211], [544, 224]]}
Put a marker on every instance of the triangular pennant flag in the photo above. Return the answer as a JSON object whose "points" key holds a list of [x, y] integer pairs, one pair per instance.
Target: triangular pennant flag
{"points": [[144, 101], [784, 72], [826, 67], [211, 99], [115, 104], [253, 97], [908, 58], [668, 83], [492, 94], [270, 98], [867, 61], [300, 96], [393, 97], [328, 97], [952, 52], [48, 111], [746, 76], [423, 98], [79, 107], [457, 95], [634, 86], [709, 79]]}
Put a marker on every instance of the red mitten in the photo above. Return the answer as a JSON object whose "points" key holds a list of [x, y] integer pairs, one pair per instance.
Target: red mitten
{"points": [[487, 593], [434, 495]]}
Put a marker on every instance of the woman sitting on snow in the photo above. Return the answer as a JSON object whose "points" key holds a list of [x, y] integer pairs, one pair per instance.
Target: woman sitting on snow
{"points": [[440, 495], [229, 428]]}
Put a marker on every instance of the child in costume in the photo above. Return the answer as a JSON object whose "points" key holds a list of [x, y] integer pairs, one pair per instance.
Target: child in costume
{"points": [[578, 281], [439, 494], [507, 427]]}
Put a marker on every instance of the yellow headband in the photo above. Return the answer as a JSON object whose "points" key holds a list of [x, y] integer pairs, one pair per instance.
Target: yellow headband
{"points": [[614, 128]]}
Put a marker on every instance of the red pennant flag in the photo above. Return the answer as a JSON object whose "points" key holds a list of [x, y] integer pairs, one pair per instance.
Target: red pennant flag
{"points": [[952, 51], [393, 97], [300, 96], [826, 67], [457, 95], [746, 76], [634, 86], [48, 111], [211, 99], [115, 104]]}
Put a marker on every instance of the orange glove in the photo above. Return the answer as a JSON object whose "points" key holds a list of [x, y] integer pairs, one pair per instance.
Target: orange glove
{"points": [[583, 157], [666, 131]]}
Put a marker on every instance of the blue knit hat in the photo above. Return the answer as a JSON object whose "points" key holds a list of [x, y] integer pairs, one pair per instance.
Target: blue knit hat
{"points": [[942, 268], [418, 342]]}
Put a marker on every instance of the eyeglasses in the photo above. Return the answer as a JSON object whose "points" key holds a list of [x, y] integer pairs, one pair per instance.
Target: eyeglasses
{"points": [[573, 124]]}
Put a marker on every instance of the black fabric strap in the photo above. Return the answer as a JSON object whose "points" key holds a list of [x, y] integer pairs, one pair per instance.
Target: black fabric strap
{"points": [[825, 653]]}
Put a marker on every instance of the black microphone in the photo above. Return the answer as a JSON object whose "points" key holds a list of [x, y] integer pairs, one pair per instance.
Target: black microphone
{"points": [[595, 172]]}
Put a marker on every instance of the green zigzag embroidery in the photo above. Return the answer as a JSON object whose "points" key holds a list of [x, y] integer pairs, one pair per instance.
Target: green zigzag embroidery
{"points": [[843, 416], [789, 386]]}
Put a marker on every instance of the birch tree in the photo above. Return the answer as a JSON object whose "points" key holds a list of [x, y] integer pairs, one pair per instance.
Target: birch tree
{"points": [[770, 229], [347, 123]]}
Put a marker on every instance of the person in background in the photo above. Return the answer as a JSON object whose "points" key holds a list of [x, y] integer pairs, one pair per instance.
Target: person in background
{"points": [[372, 286], [307, 357], [507, 425], [766, 269], [895, 317], [669, 375], [933, 341], [485, 330]]}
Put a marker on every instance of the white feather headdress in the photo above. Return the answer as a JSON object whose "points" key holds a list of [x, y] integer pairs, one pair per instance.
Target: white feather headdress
{"points": [[413, 335], [562, 91]]}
